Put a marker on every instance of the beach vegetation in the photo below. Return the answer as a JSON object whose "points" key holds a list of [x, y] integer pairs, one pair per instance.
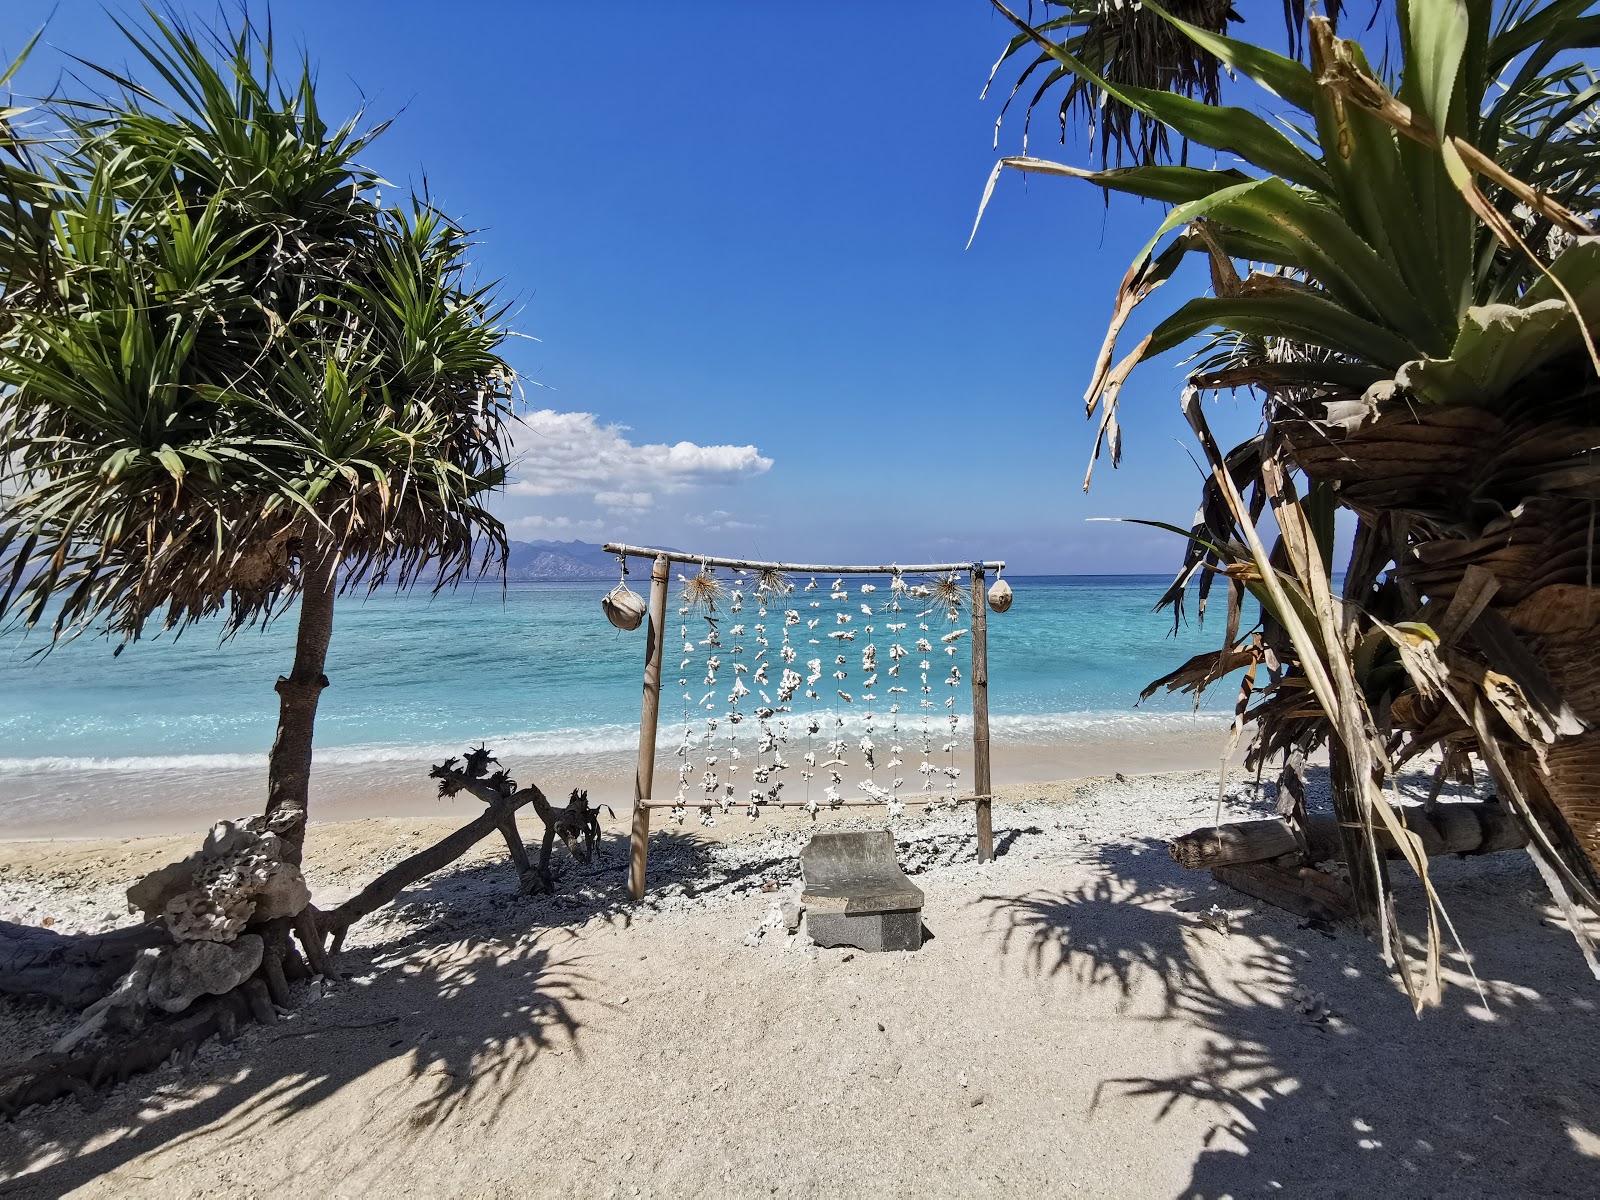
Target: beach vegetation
{"points": [[1400, 260], [236, 371]]}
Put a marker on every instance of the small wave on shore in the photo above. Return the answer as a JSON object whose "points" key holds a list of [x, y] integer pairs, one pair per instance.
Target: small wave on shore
{"points": [[559, 743], [1037, 729]]}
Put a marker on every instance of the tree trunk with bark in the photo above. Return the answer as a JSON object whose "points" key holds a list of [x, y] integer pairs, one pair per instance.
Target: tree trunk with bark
{"points": [[289, 766], [1507, 489], [1368, 878]]}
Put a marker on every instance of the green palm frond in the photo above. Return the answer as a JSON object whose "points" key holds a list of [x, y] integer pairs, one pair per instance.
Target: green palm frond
{"points": [[1411, 279], [220, 351]]}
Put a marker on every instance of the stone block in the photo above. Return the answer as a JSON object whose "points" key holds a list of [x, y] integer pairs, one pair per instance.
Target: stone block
{"points": [[856, 894], [873, 932]]}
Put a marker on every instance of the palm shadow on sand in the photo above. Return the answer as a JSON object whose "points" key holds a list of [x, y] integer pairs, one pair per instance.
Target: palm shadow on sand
{"points": [[1463, 1101], [460, 985], [465, 987]]}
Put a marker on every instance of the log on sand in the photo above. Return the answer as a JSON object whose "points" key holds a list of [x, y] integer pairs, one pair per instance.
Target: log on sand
{"points": [[73, 970], [1469, 828], [1304, 891], [44, 1077]]}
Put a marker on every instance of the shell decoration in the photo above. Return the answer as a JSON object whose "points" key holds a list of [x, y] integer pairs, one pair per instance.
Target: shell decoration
{"points": [[999, 596]]}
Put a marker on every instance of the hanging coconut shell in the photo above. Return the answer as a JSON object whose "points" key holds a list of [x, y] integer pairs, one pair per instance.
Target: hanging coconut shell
{"points": [[623, 607], [1000, 595]]}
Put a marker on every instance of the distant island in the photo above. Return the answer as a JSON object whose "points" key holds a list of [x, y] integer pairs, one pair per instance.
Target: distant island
{"points": [[537, 562]]}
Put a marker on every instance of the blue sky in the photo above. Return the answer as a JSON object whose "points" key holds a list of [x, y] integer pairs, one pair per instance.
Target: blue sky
{"points": [[738, 232]]}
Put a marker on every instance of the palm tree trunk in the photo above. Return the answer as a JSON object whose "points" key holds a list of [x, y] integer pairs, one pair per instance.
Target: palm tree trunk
{"points": [[1501, 489], [289, 767], [1566, 776], [1367, 879]]}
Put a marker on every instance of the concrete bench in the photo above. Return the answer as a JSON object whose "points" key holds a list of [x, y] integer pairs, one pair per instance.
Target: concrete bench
{"points": [[856, 894]]}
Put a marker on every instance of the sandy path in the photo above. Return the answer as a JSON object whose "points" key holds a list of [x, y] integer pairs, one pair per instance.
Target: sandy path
{"points": [[1074, 1027]]}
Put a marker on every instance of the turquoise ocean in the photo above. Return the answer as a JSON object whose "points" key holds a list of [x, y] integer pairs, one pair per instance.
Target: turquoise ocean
{"points": [[534, 669]]}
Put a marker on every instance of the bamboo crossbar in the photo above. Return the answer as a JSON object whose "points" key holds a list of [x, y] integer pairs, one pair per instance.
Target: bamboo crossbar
{"points": [[744, 564], [822, 805]]}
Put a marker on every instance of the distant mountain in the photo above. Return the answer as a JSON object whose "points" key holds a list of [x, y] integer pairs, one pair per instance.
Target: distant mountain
{"points": [[543, 561]]}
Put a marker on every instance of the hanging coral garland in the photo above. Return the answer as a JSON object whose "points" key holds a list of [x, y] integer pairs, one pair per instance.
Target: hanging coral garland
{"points": [[736, 734]]}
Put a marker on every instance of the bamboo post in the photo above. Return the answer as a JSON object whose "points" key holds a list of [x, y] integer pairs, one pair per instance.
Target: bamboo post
{"points": [[649, 710], [980, 713]]}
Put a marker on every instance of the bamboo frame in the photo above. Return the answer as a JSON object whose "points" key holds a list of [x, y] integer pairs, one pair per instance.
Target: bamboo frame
{"points": [[649, 713], [650, 704], [981, 782]]}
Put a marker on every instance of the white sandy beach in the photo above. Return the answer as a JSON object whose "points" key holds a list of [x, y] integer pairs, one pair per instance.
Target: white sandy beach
{"points": [[1078, 1025]]}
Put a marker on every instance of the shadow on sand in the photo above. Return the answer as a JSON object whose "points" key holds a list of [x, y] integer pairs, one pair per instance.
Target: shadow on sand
{"points": [[1365, 1099], [459, 985], [465, 986]]}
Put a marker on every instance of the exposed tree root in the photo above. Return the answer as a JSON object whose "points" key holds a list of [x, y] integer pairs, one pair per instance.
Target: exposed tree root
{"points": [[46, 1077], [78, 971], [71, 970]]}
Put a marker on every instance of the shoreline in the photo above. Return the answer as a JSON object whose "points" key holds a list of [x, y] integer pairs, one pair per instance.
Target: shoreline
{"points": [[339, 851], [76, 804]]}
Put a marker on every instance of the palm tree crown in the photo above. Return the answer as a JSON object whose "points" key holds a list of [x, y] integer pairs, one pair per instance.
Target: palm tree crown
{"points": [[230, 374]]}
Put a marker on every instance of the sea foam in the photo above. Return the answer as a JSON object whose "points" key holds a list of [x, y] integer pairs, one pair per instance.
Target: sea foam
{"points": [[1040, 729]]}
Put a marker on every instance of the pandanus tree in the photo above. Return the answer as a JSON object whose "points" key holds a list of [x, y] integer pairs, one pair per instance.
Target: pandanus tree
{"points": [[232, 375], [1404, 269]]}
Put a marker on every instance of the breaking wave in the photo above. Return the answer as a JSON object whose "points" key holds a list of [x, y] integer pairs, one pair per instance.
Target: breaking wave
{"points": [[618, 739]]}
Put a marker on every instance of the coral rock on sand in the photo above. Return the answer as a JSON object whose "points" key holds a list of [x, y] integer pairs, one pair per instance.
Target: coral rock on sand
{"points": [[237, 877], [189, 970]]}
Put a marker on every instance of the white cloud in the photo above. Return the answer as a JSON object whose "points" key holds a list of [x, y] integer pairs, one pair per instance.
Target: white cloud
{"points": [[623, 501], [564, 454], [536, 524], [716, 521]]}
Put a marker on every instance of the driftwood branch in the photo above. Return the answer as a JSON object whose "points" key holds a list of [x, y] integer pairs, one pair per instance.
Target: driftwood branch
{"points": [[1473, 828], [746, 564], [499, 815]]}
